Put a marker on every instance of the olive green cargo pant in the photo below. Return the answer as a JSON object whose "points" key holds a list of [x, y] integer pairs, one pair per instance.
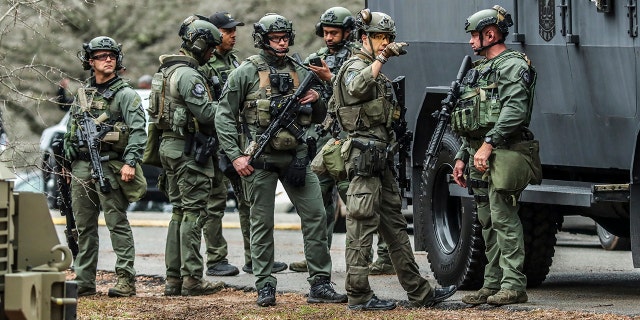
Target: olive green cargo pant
{"points": [[188, 186], [86, 201], [387, 219], [244, 211], [215, 242], [260, 187], [503, 237]]}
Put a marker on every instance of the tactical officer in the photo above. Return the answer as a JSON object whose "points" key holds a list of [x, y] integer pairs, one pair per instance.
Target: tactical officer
{"points": [[498, 91], [183, 108], [335, 26], [216, 70], [364, 105], [111, 100], [249, 94]]}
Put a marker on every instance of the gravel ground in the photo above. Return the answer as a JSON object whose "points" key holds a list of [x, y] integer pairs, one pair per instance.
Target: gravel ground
{"points": [[149, 303]]}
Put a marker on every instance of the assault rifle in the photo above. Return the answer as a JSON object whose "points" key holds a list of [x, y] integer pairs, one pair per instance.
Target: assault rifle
{"points": [[284, 118], [444, 115], [403, 135], [90, 132], [64, 195]]}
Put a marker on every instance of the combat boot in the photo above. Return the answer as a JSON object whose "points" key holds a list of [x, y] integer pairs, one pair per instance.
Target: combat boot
{"points": [[86, 291], [222, 269], [507, 296], [322, 292], [173, 286], [126, 286], [479, 297], [267, 296], [379, 267], [374, 304], [192, 286], [300, 266]]}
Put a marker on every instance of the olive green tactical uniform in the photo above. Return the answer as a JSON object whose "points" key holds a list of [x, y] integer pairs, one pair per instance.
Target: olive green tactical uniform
{"points": [[190, 186], [334, 62], [124, 105], [241, 97], [216, 71], [504, 93], [373, 198]]}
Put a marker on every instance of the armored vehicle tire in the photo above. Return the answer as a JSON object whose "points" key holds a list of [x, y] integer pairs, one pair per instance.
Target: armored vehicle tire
{"points": [[539, 228], [609, 241], [449, 224]]}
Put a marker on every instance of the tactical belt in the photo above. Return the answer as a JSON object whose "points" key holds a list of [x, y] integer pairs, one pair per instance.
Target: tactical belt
{"points": [[262, 165], [524, 135], [475, 183], [86, 156], [481, 198]]}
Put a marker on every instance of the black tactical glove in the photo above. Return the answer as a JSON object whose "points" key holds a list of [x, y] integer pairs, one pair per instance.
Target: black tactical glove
{"points": [[296, 172]]}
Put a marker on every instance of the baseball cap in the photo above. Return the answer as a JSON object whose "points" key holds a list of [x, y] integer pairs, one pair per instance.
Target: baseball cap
{"points": [[224, 20]]}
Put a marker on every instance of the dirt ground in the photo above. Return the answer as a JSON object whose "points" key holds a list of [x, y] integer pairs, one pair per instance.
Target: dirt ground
{"points": [[149, 303]]}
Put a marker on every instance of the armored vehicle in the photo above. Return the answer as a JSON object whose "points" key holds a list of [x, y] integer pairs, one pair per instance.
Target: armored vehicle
{"points": [[32, 260], [585, 117]]}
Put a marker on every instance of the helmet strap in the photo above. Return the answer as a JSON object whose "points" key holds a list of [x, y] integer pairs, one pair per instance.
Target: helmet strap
{"points": [[482, 47], [370, 44]]}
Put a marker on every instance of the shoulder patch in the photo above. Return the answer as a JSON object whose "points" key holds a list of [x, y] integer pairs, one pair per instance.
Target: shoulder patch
{"points": [[350, 76], [526, 76], [198, 90]]}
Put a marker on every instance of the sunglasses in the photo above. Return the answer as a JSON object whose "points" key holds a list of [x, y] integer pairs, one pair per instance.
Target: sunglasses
{"points": [[277, 39], [104, 56], [383, 36]]}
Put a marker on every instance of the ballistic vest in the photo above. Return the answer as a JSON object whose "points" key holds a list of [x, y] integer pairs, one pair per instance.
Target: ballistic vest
{"points": [[479, 105]]}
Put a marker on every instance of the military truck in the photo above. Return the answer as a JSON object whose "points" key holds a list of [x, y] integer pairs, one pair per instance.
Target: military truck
{"points": [[585, 117], [32, 260]]}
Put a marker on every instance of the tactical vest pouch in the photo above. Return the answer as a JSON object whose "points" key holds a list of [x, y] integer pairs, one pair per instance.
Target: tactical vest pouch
{"points": [[531, 150], [510, 171], [491, 112], [363, 196], [152, 149], [465, 118], [133, 190], [317, 164], [349, 118], [158, 103], [179, 121], [374, 112], [283, 140], [121, 131], [332, 158], [263, 107]]}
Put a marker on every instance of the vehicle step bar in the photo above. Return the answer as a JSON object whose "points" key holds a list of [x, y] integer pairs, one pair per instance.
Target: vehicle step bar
{"points": [[581, 194]]}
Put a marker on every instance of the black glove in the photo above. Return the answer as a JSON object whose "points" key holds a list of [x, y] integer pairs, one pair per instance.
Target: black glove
{"points": [[296, 172], [312, 148]]}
